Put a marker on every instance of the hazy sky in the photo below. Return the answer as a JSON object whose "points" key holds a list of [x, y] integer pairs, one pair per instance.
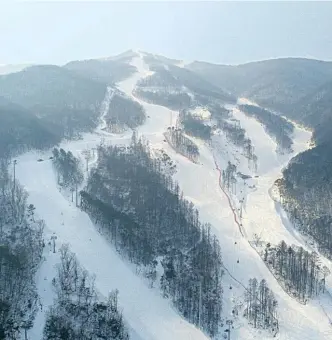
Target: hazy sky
{"points": [[218, 32]]}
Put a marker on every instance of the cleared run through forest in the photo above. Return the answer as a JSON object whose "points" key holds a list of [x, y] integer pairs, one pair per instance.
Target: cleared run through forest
{"points": [[260, 215], [148, 315]]}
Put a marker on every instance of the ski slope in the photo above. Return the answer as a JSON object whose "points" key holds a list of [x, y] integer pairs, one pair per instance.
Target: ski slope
{"points": [[152, 320], [149, 316], [296, 321]]}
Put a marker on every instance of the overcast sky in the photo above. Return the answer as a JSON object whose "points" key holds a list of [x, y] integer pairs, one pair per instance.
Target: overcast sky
{"points": [[217, 32]]}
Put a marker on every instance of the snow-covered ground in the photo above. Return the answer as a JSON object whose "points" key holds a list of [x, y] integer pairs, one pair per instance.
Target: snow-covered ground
{"points": [[148, 315]]}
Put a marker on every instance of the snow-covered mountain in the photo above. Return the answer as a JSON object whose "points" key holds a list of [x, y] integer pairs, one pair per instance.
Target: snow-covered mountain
{"points": [[228, 172]]}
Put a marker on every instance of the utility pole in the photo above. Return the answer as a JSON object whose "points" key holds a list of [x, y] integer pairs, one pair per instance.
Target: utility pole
{"points": [[53, 238], [14, 188], [241, 202], [87, 155], [76, 193], [229, 323], [200, 304], [14, 163]]}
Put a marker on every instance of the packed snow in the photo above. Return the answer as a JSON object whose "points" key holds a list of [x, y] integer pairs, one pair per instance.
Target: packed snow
{"points": [[148, 315]]}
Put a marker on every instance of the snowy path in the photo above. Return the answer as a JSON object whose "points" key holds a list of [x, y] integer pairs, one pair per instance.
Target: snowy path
{"points": [[149, 316], [104, 109]]}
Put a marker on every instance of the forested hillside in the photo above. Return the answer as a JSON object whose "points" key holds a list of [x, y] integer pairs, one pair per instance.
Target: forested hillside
{"points": [[175, 100], [78, 313], [276, 84], [298, 271], [261, 306], [48, 86], [21, 130], [306, 186], [106, 71], [276, 126], [69, 171], [306, 193], [177, 87], [315, 111], [181, 143], [43, 104], [123, 113], [141, 211], [194, 126], [21, 248]]}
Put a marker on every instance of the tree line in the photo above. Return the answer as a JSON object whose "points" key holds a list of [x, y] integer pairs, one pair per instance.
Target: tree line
{"points": [[276, 126], [78, 313], [194, 126], [261, 306], [299, 271], [21, 248], [21, 131], [234, 133], [68, 169], [229, 179], [305, 194], [124, 113], [173, 99], [181, 143], [34, 117], [174, 79]]}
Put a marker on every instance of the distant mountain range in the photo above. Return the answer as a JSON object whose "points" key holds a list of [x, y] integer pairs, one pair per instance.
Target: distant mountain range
{"points": [[299, 88], [296, 87]]}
